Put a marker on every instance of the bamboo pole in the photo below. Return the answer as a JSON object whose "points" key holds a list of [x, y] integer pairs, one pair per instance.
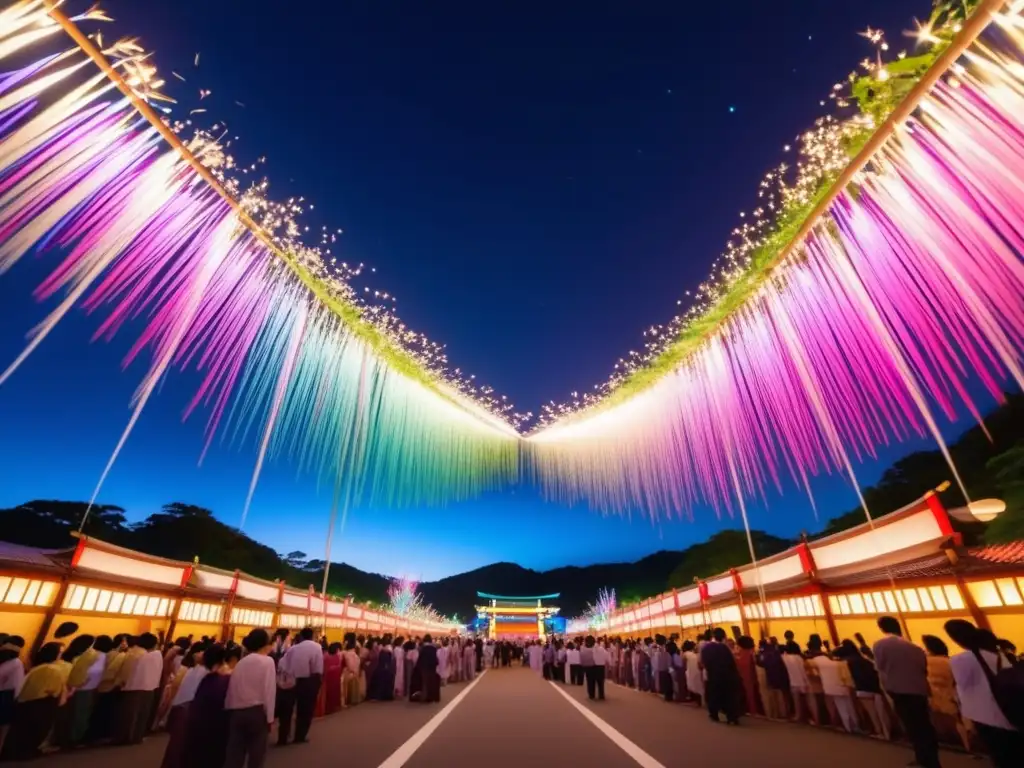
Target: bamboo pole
{"points": [[972, 28], [154, 119], [94, 53]]}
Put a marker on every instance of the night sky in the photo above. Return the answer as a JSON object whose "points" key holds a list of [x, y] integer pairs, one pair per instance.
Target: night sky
{"points": [[536, 182]]}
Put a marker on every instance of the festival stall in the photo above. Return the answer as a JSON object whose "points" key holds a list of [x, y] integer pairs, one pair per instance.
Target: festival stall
{"points": [[107, 589], [909, 563]]}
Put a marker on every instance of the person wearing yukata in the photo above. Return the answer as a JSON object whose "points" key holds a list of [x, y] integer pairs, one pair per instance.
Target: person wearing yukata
{"points": [[12, 676], [426, 683], [722, 687], [469, 662], [398, 652], [41, 693], [443, 661], [350, 674], [139, 692]]}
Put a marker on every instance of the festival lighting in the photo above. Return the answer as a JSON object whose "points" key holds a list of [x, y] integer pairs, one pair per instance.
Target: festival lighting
{"points": [[145, 222], [850, 308], [908, 285]]}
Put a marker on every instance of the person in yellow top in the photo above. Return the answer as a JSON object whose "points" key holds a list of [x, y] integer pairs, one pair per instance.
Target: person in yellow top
{"points": [[73, 718], [107, 695], [131, 658], [41, 695], [945, 712]]}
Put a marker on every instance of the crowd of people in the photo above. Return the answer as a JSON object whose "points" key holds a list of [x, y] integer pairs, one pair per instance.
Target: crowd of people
{"points": [[217, 701], [977, 695]]}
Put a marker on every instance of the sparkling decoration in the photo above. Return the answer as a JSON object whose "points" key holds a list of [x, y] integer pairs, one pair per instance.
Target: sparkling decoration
{"points": [[786, 199], [597, 614], [877, 273], [910, 284], [405, 600], [150, 228]]}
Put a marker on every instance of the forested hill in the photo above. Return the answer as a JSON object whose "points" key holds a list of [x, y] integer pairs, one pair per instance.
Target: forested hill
{"points": [[182, 531]]}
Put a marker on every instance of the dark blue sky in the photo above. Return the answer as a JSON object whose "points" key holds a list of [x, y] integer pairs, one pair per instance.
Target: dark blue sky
{"points": [[536, 182]]}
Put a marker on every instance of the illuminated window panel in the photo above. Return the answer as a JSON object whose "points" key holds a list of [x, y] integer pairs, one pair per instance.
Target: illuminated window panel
{"points": [[103, 600], [96, 600], [939, 598], [29, 598], [857, 604], [890, 602], [89, 603], [251, 617], [833, 604], [17, 591], [75, 598], [926, 599], [293, 621], [203, 613], [953, 596], [913, 604], [985, 594], [1008, 590], [14, 591], [844, 605]]}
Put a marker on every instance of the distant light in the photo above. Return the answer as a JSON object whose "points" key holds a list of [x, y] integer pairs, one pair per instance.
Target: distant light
{"points": [[732, 108], [982, 511]]}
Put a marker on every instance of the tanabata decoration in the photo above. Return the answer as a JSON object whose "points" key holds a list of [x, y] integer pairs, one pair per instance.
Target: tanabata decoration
{"points": [[148, 228], [890, 280]]}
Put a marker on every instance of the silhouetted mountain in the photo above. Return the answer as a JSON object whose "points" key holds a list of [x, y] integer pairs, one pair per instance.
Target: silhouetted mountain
{"points": [[578, 585]]}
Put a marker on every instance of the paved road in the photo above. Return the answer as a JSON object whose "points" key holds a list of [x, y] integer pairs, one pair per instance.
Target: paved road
{"points": [[510, 718]]}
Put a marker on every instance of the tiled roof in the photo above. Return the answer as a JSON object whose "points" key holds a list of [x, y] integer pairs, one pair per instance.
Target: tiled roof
{"points": [[30, 556], [1011, 553]]}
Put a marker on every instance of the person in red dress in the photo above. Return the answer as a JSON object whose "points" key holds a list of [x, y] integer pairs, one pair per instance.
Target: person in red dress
{"points": [[746, 664], [330, 698]]}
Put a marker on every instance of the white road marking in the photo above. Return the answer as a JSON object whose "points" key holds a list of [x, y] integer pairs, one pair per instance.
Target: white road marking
{"points": [[627, 746], [401, 755]]}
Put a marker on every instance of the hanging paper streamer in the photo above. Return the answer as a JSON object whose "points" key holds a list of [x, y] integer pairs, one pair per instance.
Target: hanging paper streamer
{"points": [[145, 233], [907, 289]]}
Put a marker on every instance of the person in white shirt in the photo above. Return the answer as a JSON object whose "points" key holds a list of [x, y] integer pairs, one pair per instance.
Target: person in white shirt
{"points": [[12, 675], [399, 654], [597, 656], [139, 695], [572, 658], [694, 674], [177, 716], [250, 703], [443, 652], [304, 661], [469, 662], [974, 690]]}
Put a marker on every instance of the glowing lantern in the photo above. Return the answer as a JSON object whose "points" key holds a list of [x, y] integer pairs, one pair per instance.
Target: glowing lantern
{"points": [[983, 511]]}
